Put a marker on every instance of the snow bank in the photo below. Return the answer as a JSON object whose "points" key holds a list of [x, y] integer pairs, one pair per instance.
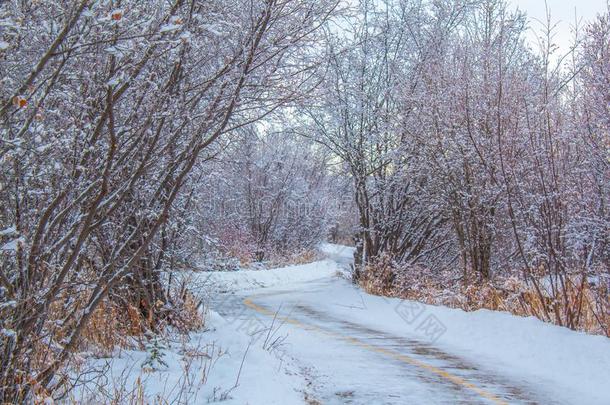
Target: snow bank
{"points": [[571, 365], [243, 280], [333, 251], [219, 352], [206, 369]]}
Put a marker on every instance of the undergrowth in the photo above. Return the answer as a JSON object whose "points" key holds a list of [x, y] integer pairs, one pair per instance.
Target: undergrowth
{"points": [[579, 301]]}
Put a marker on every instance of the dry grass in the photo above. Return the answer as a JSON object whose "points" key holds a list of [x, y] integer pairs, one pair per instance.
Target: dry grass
{"points": [[275, 259], [186, 315], [248, 253], [574, 302], [133, 385], [112, 326], [304, 256]]}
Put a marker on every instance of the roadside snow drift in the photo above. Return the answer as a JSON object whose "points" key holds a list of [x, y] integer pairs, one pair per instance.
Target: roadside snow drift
{"points": [[233, 281], [220, 364], [558, 363]]}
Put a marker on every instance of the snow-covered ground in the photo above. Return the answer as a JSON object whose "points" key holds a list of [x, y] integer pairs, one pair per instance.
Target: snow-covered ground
{"points": [[224, 363], [337, 261], [233, 281], [301, 334], [221, 364], [539, 361], [546, 362]]}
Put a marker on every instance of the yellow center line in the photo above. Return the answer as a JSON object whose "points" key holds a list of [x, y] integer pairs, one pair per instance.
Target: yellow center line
{"points": [[390, 353]]}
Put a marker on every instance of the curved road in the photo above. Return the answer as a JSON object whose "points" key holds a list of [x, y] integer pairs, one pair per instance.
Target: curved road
{"points": [[328, 333]]}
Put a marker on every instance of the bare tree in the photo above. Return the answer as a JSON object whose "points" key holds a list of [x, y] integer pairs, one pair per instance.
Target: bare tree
{"points": [[99, 138], [361, 119], [267, 196]]}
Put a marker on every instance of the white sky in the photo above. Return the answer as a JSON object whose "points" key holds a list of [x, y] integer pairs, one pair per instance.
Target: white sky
{"points": [[563, 12]]}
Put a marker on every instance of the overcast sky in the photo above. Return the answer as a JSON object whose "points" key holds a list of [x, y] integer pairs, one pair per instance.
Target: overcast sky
{"points": [[562, 11]]}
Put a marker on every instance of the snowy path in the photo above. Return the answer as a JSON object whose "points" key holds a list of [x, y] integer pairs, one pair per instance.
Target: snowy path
{"points": [[354, 363], [355, 348]]}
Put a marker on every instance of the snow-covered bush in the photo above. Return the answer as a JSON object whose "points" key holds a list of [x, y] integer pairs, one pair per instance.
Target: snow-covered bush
{"points": [[469, 151], [104, 113], [268, 199]]}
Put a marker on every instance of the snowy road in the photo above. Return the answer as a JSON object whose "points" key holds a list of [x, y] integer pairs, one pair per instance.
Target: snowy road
{"points": [[354, 348], [350, 362]]}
